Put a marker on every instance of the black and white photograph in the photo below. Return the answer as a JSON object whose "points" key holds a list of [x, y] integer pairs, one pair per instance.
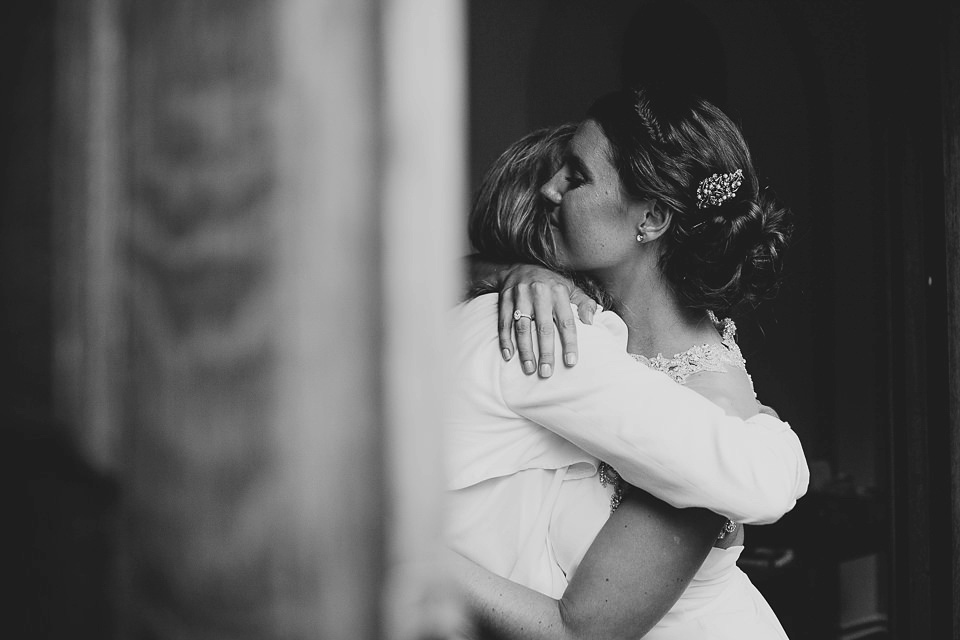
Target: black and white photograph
{"points": [[481, 319]]}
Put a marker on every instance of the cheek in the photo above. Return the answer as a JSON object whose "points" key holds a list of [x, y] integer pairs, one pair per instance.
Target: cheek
{"points": [[586, 213], [578, 245], [577, 214]]}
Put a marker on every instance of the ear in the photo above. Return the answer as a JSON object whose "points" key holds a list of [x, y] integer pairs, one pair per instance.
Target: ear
{"points": [[655, 219]]}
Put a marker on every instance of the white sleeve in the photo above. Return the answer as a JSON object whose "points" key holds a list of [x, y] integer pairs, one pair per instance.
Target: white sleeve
{"points": [[661, 436]]}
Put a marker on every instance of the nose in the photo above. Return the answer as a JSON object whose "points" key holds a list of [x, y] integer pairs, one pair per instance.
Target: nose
{"points": [[551, 190]]}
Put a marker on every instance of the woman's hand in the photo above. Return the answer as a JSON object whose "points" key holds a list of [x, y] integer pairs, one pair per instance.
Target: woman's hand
{"points": [[529, 293]]}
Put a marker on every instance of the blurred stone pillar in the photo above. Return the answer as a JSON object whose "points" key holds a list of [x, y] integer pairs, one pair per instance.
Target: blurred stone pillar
{"points": [[259, 203], [90, 326]]}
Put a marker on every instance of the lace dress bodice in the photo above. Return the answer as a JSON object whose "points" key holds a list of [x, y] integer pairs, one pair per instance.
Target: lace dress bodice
{"points": [[703, 357]]}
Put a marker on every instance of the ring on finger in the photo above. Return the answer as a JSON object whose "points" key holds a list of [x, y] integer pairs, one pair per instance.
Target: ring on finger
{"points": [[520, 314]]}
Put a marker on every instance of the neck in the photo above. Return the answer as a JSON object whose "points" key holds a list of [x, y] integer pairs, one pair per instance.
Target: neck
{"points": [[657, 322]]}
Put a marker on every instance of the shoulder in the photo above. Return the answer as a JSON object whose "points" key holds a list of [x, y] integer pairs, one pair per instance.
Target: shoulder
{"points": [[479, 316], [730, 390], [482, 305], [472, 331], [608, 322], [474, 319]]}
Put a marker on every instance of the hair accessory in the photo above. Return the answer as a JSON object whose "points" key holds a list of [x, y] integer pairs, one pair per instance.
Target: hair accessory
{"points": [[718, 188], [641, 105]]}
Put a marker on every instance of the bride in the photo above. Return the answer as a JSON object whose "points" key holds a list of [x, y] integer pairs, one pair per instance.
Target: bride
{"points": [[658, 202]]}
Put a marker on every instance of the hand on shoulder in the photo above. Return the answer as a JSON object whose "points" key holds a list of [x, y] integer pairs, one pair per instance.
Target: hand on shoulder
{"points": [[536, 298]]}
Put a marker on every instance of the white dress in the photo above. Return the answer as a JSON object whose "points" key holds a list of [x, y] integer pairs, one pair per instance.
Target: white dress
{"points": [[720, 603], [525, 502]]}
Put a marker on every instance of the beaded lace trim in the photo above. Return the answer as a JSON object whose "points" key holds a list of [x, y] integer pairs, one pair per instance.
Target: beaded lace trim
{"points": [[701, 357]]}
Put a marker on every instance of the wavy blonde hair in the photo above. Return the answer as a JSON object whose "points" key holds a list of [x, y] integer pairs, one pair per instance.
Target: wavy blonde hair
{"points": [[508, 221]]}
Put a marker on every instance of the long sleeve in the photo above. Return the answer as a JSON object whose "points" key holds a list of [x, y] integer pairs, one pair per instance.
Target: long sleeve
{"points": [[659, 435]]}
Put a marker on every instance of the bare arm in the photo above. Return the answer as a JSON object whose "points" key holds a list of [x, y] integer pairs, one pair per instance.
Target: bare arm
{"points": [[635, 570]]}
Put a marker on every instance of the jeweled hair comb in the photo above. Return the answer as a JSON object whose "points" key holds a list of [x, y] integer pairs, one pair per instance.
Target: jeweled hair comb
{"points": [[718, 188]]}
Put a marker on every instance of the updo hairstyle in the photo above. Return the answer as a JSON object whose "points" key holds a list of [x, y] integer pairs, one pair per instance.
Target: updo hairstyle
{"points": [[663, 144]]}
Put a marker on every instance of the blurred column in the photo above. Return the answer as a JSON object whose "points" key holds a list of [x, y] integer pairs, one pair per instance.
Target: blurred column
{"points": [[259, 208], [90, 327], [424, 211]]}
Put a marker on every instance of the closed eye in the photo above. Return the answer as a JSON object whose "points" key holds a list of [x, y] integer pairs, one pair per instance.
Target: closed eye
{"points": [[574, 180], [575, 173]]}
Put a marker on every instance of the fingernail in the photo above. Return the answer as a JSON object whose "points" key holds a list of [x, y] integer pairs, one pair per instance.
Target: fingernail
{"points": [[506, 354], [528, 366], [545, 370], [570, 359]]}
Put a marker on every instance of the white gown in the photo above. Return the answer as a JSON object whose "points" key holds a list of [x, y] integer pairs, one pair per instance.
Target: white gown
{"points": [[526, 503], [720, 603]]}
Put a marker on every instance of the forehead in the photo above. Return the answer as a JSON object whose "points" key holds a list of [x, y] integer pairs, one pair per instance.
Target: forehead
{"points": [[590, 145]]}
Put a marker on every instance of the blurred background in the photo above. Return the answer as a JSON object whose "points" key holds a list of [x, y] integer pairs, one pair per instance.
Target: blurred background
{"points": [[227, 237]]}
